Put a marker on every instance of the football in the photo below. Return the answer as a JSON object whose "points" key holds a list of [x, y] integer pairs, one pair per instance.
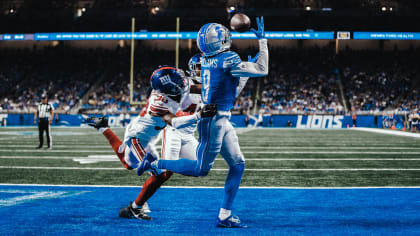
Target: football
{"points": [[240, 23]]}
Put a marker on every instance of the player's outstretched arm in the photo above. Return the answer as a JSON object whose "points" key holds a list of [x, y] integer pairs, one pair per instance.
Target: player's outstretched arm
{"points": [[260, 66], [208, 110], [180, 122], [243, 80]]}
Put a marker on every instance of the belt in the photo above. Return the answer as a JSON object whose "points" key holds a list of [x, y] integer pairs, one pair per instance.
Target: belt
{"points": [[224, 113]]}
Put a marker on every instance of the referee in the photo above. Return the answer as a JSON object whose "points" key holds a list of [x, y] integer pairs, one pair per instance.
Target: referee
{"points": [[45, 113]]}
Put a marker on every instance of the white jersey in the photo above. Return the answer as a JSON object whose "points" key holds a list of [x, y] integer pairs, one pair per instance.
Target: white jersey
{"points": [[146, 127], [189, 106], [181, 142]]}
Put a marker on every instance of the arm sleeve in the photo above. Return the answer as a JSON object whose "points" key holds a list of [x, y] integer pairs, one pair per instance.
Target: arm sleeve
{"points": [[184, 121], [241, 85], [257, 69]]}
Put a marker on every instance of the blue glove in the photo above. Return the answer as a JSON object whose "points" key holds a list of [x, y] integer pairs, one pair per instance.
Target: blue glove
{"points": [[260, 32], [254, 60]]}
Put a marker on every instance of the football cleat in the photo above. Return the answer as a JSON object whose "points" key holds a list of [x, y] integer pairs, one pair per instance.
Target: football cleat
{"points": [[130, 212], [146, 165], [230, 222], [97, 123]]}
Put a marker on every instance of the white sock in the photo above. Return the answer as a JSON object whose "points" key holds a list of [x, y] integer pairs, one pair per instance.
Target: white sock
{"points": [[102, 130], [224, 214], [134, 205]]}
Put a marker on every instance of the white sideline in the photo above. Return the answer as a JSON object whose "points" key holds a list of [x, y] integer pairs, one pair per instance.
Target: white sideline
{"points": [[256, 170], [391, 132], [206, 187]]}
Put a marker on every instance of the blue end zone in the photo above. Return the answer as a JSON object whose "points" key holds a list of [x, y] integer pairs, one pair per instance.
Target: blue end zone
{"points": [[94, 210]]}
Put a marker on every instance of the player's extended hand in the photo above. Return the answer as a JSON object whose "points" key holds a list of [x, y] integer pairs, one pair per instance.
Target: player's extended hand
{"points": [[208, 110], [253, 59], [260, 32]]}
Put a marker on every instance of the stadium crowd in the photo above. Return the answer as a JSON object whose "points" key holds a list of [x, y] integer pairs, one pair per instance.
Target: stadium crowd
{"points": [[300, 81], [297, 84], [377, 81], [26, 75]]}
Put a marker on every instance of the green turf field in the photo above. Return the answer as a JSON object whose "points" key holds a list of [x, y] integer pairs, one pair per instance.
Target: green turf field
{"points": [[275, 157]]}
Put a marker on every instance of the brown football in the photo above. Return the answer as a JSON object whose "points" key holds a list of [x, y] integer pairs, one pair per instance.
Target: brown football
{"points": [[240, 23]]}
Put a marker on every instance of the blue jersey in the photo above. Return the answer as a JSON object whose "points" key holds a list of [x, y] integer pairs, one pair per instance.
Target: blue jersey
{"points": [[219, 86]]}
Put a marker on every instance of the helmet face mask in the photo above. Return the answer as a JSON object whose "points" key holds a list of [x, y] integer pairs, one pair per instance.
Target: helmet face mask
{"points": [[213, 39], [194, 65]]}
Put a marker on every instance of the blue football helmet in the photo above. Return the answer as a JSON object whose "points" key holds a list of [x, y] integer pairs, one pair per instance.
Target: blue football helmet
{"points": [[193, 64], [213, 38], [169, 81]]}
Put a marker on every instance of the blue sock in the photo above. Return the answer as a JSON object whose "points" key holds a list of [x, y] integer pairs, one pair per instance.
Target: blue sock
{"points": [[180, 166], [233, 180]]}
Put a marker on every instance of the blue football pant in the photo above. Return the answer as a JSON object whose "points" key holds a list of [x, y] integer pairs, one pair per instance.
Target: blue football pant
{"points": [[216, 135]]}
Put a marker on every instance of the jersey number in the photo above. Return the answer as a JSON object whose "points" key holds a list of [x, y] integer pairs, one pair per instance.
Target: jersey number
{"points": [[206, 85]]}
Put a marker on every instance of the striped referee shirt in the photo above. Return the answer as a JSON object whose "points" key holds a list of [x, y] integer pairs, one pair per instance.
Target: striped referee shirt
{"points": [[44, 110]]}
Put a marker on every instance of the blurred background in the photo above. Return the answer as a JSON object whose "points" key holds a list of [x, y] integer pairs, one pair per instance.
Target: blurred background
{"points": [[367, 66]]}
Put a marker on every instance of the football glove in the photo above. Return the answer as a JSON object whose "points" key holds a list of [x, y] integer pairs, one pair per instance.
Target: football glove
{"points": [[208, 110], [260, 32]]}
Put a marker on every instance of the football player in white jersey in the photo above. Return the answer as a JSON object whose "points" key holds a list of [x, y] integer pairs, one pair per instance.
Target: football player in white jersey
{"points": [[181, 142], [170, 88]]}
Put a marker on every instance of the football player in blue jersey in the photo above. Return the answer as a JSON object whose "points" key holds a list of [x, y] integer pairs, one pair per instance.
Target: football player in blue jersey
{"points": [[221, 70]]}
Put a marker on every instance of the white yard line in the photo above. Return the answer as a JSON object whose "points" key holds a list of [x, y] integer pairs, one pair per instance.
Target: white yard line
{"points": [[61, 168], [204, 187], [256, 170], [40, 157], [391, 132], [95, 147], [245, 152], [8, 138], [329, 147], [81, 147], [54, 151], [112, 158], [331, 152]]}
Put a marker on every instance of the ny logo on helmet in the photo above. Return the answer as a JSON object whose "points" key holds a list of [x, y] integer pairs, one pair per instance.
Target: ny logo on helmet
{"points": [[165, 79]]}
